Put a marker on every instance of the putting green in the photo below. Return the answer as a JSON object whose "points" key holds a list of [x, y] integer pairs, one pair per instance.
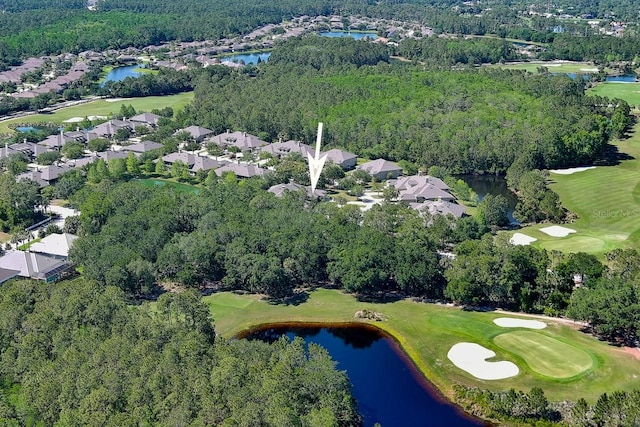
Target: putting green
{"points": [[545, 355]]}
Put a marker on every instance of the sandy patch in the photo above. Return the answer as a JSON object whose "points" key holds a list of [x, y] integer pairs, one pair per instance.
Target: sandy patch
{"points": [[557, 231], [551, 65], [570, 171], [633, 351], [117, 99], [521, 239], [74, 120], [471, 358], [508, 322], [96, 117], [589, 70]]}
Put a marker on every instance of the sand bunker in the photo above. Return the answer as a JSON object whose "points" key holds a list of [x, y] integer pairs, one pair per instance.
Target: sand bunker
{"points": [[521, 239], [97, 117], [571, 170], [508, 322], [74, 120], [471, 357], [589, 70], [557, 231]]}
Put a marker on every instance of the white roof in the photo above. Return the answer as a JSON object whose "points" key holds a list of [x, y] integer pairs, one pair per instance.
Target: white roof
{"points": [[55, 244]]}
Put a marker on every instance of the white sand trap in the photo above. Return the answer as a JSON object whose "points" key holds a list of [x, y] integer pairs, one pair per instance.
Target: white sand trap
{"points": [[74, 120], [117, 99], [557, 231], [471, 357], [96, 117], [521, 239], [570, 171], [589, 70], [509, 322]]}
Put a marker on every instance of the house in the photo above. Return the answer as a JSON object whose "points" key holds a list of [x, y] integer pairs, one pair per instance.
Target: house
{"points": [[143, 147], [110, 155], [202, 163], [198, 133], [145, 119], [31, 149], [421, 193], [7, 274], [407, 182], [241, 140], [109, 129], [440, 208], [280, 189], [186, 158], [51, 173], [34, 265], [55, 245], [382, 169], [56, 141], [344, 159], [282, 149], [33, 176], [242, 170]]}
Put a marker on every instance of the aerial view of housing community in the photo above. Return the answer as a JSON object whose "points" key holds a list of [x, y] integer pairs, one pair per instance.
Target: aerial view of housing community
{"points": [[320, 213]]}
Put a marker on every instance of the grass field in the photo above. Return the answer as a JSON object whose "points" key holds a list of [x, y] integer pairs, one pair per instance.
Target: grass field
{"points": [[630, 92], [553, 66], [426, 332], [177, 186], [546, 355], [606, 201], [102, 107]]}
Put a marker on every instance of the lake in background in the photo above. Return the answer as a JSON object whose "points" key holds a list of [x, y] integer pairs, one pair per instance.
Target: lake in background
{"points": [[121, 73], [247, 58], [388, 388], [491, 184], [628, 78], [357, 36]]}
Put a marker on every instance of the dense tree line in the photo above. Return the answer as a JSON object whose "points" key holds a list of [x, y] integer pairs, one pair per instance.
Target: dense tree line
{"points": [[438, 51], [618, 409], [166, 82], [76, 353], [400, 112]]}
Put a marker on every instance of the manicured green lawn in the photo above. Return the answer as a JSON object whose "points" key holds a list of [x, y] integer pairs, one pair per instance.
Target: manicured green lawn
{"points": [[553, 67], [103, 107], [606, 201], [630, 92], [426, 332], [545, 355]]}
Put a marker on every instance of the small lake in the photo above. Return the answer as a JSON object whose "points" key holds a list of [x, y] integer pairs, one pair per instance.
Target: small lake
{"points": [[121, 73], [494, 185], [26, 129], [247, 58], [357, 36], [628, 78], [388, 388]]}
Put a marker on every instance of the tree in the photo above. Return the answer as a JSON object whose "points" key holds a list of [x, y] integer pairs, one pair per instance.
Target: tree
{"points": [[48, 157], [160, 168], [68, 183], [494, 210], [98, 144], [117, 168], [133, 168], [122, 134], [73, 150]]}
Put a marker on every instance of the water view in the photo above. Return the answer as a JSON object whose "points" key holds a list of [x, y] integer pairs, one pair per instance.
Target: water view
{"points": [[357, 36], [121, 73], [247, 58], [628, 78], [386, 386], [494, 185]]}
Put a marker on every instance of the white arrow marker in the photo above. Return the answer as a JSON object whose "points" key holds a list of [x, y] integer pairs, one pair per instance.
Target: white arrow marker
{"points": [[316, 163]]}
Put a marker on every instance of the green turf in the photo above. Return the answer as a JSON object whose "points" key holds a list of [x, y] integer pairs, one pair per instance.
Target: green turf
{"points": [[630, 92], [545, 355], [102, 108], [553, 67], [426, 332], [606, 201]]}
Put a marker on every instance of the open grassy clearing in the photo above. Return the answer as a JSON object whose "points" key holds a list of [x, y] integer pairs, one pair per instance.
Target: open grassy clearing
{"points": [[102, 107], [629, 92], [607, 202], [553, 66], [546, 355], [427, 332], [171, 183]]}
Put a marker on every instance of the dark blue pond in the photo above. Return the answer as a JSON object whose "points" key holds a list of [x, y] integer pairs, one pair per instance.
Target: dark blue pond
{"points": [[386, 385], [247, 58], [357, 36], [121, 73], [494, 185], [26, 129], [629, 78]]}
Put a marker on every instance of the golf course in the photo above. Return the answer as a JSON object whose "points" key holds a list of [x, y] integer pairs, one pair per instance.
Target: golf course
{"points": [[565, 363], [606, 202], [101, 107]]}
